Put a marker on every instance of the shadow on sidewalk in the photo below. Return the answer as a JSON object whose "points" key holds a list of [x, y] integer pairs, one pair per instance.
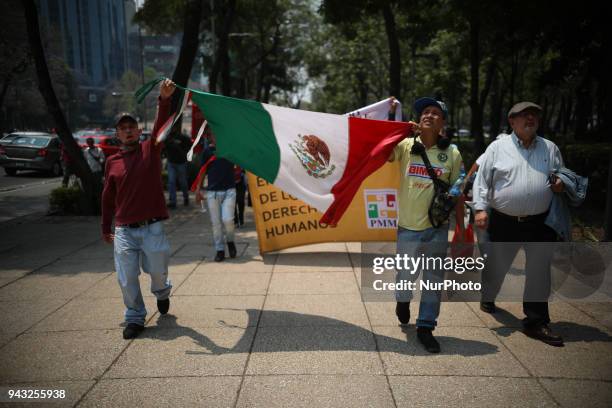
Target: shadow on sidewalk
{"points": [[571, 331], [159, 333], [325, 334]]}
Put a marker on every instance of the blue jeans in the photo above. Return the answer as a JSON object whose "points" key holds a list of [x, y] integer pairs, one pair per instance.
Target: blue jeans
{"points": [[177, 170], [221, 208], [147, 247], [431, 242]]}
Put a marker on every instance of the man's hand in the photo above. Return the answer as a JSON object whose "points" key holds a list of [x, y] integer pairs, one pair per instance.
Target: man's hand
{"points": [[166, 89], [557, 186], [393, 105], [108, 238], [482, 219], [416, 128]]}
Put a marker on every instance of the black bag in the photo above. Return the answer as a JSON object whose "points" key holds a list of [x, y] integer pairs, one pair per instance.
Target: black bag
{"points": [[442, 203]]}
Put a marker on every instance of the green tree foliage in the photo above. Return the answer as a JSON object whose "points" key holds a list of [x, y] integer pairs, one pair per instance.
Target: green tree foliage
{"points": [[161, 16], [21, 104], [120, 97]]}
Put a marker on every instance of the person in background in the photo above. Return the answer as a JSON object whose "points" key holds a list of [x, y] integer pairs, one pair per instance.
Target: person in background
{"points": [[176, 151], [94, 157], [67, 166], [240, 180], [221, 199]]}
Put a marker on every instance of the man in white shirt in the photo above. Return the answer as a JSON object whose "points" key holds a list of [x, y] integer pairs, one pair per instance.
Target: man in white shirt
{"points": [[514, 183], [95, 157]]}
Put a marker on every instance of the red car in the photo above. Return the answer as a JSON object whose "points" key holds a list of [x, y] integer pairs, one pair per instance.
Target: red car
{"points": [[104, 139]]}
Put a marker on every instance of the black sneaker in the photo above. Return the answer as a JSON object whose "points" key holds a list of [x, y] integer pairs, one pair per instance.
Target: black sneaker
{"points": [[428, 340], [220, 256], [231, 249], [487, 307], [163, 306], [186, 202], [402, 311], [132, 331]]}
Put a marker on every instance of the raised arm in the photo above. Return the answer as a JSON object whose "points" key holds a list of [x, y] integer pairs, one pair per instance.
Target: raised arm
{"points": [[166, 90]]}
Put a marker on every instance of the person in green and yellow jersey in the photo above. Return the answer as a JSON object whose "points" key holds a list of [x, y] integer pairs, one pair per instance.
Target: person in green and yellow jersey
{"points": [[416, 236]]}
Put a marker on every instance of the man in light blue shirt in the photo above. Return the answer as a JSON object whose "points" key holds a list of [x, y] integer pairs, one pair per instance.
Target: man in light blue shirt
{"points": [[514, 182]]}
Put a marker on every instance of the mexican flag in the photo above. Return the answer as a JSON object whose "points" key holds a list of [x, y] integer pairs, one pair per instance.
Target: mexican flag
{"points": [[319, 158]]}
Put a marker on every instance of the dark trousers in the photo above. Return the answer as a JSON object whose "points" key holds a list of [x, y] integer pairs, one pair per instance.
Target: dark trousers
{"points": [[68, 170], [239, 212], [537, 267]]}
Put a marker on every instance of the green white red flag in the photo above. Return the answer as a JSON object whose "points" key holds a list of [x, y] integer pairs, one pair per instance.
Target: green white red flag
{"points": [[320, 158]]}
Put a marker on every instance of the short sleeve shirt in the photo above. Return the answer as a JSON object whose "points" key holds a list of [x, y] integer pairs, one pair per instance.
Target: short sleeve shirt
{"points": [[416, 187]]}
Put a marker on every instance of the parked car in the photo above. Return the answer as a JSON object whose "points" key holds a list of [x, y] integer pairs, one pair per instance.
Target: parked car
{"points": [[463, 133], [104, 139], [30, 151]]}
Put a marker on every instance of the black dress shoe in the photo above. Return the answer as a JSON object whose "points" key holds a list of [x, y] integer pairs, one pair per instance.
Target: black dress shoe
{"points": [[163, 306], [231, 249], [220, 256], [402, 311], [544, 334], [427, 339], [487, 307], [132, 331]]}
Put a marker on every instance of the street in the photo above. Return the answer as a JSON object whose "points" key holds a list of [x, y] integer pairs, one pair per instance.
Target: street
{"points": [[24, 194]]}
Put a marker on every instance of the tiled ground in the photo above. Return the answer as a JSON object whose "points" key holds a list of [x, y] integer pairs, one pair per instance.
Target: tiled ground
{"points": [[286, 329]]}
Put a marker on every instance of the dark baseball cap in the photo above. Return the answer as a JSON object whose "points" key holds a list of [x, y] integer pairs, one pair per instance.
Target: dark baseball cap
{"points": [[521, 106], [123, 116], [421, 103]]}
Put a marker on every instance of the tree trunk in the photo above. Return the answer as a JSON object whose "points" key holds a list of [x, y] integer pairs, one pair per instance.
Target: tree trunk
{"points": [[608, 218], [395, 62], [5, 86], [567, 115], [583, 107], [222, 52], [557, 125], [476, 119], [187, 54], [266, 78], [91, 185], [189, 44], [496, 106]]}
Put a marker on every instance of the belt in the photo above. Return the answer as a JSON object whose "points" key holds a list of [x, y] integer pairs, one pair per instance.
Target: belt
{"points": [[522, 218], [140, 223]]}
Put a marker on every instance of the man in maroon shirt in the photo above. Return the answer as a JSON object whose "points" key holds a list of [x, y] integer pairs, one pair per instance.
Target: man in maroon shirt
{"points": [[134, 197]]}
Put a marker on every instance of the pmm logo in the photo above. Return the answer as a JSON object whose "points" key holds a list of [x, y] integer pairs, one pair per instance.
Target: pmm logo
{"points": [[381, 208]]}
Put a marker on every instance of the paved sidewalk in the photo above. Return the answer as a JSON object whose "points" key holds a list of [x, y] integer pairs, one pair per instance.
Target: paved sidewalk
{"points": [[284, 330]]}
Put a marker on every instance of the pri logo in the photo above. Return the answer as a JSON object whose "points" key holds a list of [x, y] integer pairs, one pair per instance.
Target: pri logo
{"points": [[381, 208], [314, 155]]}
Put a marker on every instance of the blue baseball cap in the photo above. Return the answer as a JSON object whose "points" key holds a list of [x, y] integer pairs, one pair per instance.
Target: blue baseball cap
{"points": [[421, 103]]}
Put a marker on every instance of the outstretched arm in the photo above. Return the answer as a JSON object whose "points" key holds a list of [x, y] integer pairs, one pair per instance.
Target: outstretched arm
{"points": [[166, 90]]}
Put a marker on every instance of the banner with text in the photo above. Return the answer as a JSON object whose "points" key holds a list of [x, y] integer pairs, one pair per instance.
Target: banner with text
{"points": [[283, 221]]}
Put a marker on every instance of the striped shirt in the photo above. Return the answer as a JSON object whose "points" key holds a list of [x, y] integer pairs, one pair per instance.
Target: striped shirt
{"points": [[514, 180]]}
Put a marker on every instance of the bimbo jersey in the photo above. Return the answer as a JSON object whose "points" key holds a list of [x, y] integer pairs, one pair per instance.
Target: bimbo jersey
{"points": [[416, 187]]}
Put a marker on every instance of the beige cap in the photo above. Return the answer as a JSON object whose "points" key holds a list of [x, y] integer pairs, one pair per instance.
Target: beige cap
{"points": [[521, 106]]}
